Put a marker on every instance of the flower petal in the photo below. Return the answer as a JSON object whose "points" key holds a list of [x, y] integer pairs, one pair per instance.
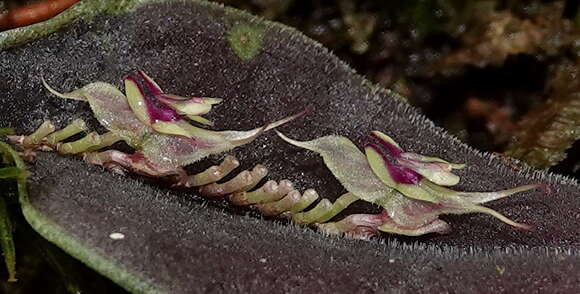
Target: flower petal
{"points": [[189, 106], [414, 217], [348, 164], [436, 172], [433, 168], [200, 119], [403, 180], [148, 109], [111, 109], [183, 105], [195, 143]]}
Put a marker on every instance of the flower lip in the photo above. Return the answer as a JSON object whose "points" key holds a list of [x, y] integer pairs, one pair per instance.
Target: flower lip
{"points": [[157, 110], [399, 174]]}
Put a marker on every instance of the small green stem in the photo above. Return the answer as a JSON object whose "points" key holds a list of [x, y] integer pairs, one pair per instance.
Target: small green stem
{"points": [[314, 214], [280, 206], [214, 173], [81, 145], [10, 172], [308, 197], [36, 138], [260, 196], [72, 129], [339, 205], [107, 139], [6, 241]]}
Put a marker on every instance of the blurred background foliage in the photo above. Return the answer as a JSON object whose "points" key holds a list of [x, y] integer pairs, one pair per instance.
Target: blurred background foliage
{"points": [[501, 75]]}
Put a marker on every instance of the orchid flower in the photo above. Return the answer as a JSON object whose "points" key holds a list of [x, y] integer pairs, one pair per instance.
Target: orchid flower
{"points": [[408, 186], [155, 123]]}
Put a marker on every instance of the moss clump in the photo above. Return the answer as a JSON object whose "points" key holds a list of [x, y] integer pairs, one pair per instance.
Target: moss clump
{"points": [[547, 132]]}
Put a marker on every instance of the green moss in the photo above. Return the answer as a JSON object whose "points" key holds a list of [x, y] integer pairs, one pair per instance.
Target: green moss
{"points": [[546, 133], [246, 40]]}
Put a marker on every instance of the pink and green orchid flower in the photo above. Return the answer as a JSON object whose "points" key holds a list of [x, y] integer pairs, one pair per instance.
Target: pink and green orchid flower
{"points": [[157, 124], [408, 186]]}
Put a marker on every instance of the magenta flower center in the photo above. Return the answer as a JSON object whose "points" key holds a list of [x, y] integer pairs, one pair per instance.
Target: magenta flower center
{"points": [[390, 153], [157, 110]]}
